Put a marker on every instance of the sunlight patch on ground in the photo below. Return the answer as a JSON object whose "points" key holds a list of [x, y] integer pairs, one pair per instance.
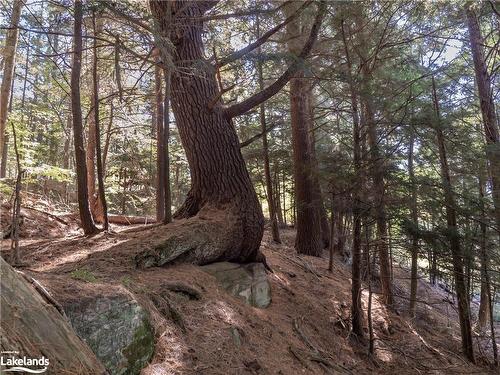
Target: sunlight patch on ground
{"points": [[76, 256]]}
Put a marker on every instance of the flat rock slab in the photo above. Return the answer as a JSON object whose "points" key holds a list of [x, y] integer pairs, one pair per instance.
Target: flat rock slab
{"points": [[246, 281], [114, 325]]}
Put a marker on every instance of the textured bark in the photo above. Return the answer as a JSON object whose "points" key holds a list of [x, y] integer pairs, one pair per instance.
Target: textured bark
{"points": [[80, 158], [9, 55], [490, 121], [454, 239], [414, 239], [308, 221], [221, 206]]}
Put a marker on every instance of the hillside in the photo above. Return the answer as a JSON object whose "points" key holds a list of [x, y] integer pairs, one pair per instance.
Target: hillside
{"points": [[304, 330]]}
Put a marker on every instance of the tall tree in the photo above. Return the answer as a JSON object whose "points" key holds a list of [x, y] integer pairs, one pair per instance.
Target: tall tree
{"points": [[225, 217], [357, 310], [453, 235], [490, 121], [308, 222], [76, 108], [102, 208], [9, 55]]}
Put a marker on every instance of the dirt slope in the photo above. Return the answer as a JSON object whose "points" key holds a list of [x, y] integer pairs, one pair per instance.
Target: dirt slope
{"points": [[304, 331]]}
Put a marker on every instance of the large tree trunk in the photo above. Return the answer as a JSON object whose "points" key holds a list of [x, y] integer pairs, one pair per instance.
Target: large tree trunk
{"points": [[80, 159], [308, 221], [490, 121], [454, 238], [9, 54], [224, 217]]}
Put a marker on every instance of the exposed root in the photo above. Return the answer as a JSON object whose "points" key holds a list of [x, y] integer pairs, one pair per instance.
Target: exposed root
{"points": [[211, 236], [167, 308], [191, 292]]}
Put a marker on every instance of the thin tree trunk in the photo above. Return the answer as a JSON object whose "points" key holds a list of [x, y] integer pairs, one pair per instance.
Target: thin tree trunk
{"points": [[160, 149], [9, 54], [167, 193], [454, 239], [108, 138], [101, 211], [377, 172], [265, 151], [357, 310], [490, 121], [81, 168], [414, 236]]}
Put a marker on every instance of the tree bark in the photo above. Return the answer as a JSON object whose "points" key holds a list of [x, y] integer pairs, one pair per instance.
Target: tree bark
{"points": [[9, 54], [81, 168], [224, 218], [308, 221], [454, 239], [490, 121]]}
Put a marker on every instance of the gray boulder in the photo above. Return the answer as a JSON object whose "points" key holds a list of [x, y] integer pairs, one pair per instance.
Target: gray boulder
{"points": [[33, 327], [115, 327], [246, 281]]}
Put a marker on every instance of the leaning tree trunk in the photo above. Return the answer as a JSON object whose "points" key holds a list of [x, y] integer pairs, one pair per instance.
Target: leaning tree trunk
{"points": [[490, 121], [9, 54], [224, 217]]}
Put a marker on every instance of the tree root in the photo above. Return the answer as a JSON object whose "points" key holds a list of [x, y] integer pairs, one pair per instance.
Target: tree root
{"points": [[191, 292], [167, 308], [214, 235]]}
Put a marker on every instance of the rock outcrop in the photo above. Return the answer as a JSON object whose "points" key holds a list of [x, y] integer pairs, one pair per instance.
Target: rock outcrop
{"points": [[32, 327], [246, 281], [114, 325]]}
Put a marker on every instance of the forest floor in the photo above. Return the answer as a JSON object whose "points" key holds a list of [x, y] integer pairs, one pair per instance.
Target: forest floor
{"points": [[305, 330]]}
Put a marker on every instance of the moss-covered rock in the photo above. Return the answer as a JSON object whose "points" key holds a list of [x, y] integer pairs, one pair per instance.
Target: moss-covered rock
{"points": [[116, 328]]}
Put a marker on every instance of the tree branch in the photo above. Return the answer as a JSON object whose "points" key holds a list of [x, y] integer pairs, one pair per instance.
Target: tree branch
{"points": [[260, 97], [242, 52]]}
